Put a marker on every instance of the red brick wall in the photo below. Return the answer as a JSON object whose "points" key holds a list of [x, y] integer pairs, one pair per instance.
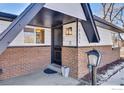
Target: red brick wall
{"points": [[70, 59], [108, 55], [76, 58], [23, 60]]}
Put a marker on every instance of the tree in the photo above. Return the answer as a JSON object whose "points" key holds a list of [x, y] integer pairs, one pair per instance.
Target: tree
{"points": [[113, 13]]}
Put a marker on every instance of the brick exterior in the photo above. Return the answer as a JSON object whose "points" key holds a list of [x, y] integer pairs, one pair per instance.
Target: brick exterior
{"points": [[108, 55], [70, 59], [23, 60], [76, 58]]}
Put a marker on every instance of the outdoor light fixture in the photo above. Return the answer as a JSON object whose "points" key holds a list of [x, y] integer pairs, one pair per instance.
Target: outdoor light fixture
{"points": [[94, 58]]}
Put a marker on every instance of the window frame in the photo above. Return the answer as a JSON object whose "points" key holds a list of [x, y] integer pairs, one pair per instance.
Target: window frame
{"points": [[116, 37], [34, 35], [42, 33], [25, 32]]}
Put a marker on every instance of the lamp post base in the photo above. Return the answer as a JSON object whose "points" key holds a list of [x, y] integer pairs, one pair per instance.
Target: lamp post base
{"points": [[93, 74]]}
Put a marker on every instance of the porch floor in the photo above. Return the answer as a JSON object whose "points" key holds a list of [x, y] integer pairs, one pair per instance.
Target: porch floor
{"points": [[40, 78]]}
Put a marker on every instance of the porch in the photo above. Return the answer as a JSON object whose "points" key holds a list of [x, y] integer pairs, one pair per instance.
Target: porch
{"points": [[40, 78]]}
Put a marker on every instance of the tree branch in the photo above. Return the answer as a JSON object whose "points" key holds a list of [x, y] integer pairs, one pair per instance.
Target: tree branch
{"points": [[111, 12], [107, 10], [117, 13]]}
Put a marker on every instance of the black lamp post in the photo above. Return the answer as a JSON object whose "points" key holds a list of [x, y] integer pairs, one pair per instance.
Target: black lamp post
{"points": [[94, 58]]}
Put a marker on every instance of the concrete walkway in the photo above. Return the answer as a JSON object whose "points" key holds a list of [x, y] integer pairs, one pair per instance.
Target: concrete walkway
{"points": [[40, 78]]}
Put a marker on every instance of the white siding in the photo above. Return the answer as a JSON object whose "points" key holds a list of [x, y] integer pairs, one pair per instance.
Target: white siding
{"points": [[4, 25], [72, 9], [19, 40], [105, 37], [71, 39]]}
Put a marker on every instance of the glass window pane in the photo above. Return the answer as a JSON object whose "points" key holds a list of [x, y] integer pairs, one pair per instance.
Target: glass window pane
{"points": [[39, 36], [115, 40], [29, 35]]}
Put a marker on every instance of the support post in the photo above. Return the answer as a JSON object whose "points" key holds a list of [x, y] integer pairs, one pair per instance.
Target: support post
{"points": [[8, 35], [93, 75]]}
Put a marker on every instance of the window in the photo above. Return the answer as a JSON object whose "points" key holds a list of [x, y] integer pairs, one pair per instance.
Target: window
{"points": [[115, 39], [68, 31], [34, 36], [39, 36], [28, 35]]}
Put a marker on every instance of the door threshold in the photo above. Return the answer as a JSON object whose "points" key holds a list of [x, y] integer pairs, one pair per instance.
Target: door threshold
{"points": [[55, 67]]}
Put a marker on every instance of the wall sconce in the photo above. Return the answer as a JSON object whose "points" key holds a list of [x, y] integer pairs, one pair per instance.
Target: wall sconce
{"points": [[68, 31]]}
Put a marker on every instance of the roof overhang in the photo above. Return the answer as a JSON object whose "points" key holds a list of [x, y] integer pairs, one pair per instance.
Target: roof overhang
{"points": [[51, 18], [58, 14], [72, 9], [7, 17], [107, 25]]}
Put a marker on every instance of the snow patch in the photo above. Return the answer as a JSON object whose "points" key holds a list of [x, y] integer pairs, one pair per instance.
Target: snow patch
{"points": [[109, 73]]}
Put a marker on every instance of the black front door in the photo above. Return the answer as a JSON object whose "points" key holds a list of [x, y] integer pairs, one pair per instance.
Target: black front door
{"points": [[56, 45]]}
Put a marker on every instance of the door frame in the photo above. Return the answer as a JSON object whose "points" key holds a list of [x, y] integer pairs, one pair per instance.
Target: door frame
{"points": [[52, 43]]}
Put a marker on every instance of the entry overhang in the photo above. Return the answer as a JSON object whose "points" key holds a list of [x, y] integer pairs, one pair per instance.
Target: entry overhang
{"points": [[50, 15], [72, 9], [51, 18], [57, 14]]}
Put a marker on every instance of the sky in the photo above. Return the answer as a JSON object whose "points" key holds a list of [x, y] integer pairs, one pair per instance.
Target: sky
{"points": [[96, 8], [17, 8], [13, 8]]}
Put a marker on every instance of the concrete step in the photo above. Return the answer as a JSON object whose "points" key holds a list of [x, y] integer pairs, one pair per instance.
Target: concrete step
{"points": [[55, 67]]}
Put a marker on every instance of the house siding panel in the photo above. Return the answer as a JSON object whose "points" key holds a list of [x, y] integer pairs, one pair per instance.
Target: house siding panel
{"points": [[105, 37], [69, 40], [19, 39]]}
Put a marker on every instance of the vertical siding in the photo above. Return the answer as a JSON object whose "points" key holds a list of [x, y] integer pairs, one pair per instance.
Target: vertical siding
{"points": [[4, 25], [105, 37], [69, 38]]}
